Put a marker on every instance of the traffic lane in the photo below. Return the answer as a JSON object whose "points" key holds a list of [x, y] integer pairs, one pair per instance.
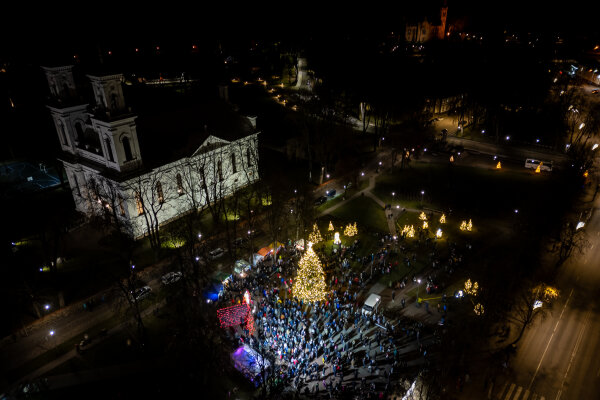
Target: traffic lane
{"points": [[583, 378]]}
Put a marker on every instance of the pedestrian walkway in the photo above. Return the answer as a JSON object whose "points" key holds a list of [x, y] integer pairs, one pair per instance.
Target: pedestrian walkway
{"points": [[514, 392]]}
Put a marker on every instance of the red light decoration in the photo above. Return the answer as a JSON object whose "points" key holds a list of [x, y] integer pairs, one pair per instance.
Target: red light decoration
{"points": [[237, 315]]}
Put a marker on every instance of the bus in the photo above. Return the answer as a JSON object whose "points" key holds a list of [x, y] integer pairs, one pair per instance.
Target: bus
{"points": [[533, 164]]}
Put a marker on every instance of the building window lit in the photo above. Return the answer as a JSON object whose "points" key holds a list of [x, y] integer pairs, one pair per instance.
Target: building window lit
{"points": [[159, 193], [138, 203], [179, 184], [121, 206]]}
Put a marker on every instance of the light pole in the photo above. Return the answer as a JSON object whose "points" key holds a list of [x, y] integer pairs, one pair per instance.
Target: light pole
{"points": [[418, 286], [422, 193]]}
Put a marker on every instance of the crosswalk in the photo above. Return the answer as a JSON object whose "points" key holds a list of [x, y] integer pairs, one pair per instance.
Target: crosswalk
{"points": [[515, 392]]}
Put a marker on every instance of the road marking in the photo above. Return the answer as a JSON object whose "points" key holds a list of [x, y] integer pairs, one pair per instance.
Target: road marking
{"points": [[549, 340], [519, 389], [502, 391], [574, 352], [512, 387]]}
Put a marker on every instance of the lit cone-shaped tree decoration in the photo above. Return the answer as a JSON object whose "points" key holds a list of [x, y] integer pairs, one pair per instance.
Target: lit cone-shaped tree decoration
{"points": [[422, 216], [499, 165], [470, 225], [309, 284], [438, 234], [315, 236], [443, 219], [331, 228], [538, 169], [411, 232], [350, 230], [336, 238], [463, 226], [478, 309], [425, 225]]}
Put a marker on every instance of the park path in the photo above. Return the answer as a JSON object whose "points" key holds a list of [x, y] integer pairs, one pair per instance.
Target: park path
{"points": [[391, 215]]}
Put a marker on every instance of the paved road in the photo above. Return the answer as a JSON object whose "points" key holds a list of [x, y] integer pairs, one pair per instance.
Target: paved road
{"points": [[558, 358]]}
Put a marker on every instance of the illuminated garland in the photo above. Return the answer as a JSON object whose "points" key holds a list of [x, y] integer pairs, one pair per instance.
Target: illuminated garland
{"points": [[309, 284], [315, 235]]}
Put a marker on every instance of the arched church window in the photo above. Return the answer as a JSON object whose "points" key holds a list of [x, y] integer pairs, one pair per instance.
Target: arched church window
{"points": [[138, 203], [63, 134], [79, 132], [233, 164], [249, 157], [179, 184], [109, 150], [127, 149], [159, 193]]}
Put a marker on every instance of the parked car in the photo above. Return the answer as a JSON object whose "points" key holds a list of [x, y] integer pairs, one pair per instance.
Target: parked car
{"points": [[141, 293], [171, 277], [216, 253], [320, 200], [330, 193]]}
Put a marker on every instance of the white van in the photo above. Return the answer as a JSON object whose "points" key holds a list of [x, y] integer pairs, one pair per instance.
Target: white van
{"points": [[371, 304], [532, 163]]}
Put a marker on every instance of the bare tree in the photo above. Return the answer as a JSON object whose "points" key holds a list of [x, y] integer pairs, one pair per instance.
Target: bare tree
{"points": [[150, 195], [570, 238]]}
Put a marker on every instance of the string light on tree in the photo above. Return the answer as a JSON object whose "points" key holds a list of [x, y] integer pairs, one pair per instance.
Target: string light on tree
{"points": [[471, 288], [315, 236], [425, 225], [422, 216], [330, 226], [443, 219], [478, 309], [309, 285], [438, 234], [463, 226], [499, 165], [350, 230], [470, 225]]}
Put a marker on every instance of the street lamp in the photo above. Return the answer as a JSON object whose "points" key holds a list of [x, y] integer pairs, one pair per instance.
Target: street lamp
{"points": [[418, 286], [422, 193], [47, 307]]}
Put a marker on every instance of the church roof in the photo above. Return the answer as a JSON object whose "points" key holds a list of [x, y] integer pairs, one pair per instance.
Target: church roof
{"points": [[173, 131]]}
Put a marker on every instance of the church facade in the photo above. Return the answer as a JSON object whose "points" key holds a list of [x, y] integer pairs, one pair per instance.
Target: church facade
{"points": [[104, 165]]}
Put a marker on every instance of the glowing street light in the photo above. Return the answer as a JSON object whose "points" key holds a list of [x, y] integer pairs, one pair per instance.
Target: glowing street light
{"points": [[51, 333], [47, 307], [422, 194]]}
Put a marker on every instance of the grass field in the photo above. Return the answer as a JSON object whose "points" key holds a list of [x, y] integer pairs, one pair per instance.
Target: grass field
{"points": [[365, 212]]}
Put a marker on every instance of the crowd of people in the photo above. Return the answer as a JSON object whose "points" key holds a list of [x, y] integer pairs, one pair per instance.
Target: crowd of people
{"points": [[330, 347]]}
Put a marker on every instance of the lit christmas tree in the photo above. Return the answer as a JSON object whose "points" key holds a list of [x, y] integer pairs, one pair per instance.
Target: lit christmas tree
{"points": [[351, 230], [330, 226], [443, 219], [315, 236], [309, 285], [470, 225], [422, 216]]}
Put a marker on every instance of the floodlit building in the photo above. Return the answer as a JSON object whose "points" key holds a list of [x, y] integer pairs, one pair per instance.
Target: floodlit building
{"points": [[427, 22], [141, 172]]}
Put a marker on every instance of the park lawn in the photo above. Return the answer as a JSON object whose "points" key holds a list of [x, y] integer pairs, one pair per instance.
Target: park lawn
{"points": [[365, 212], [477, 192]]}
